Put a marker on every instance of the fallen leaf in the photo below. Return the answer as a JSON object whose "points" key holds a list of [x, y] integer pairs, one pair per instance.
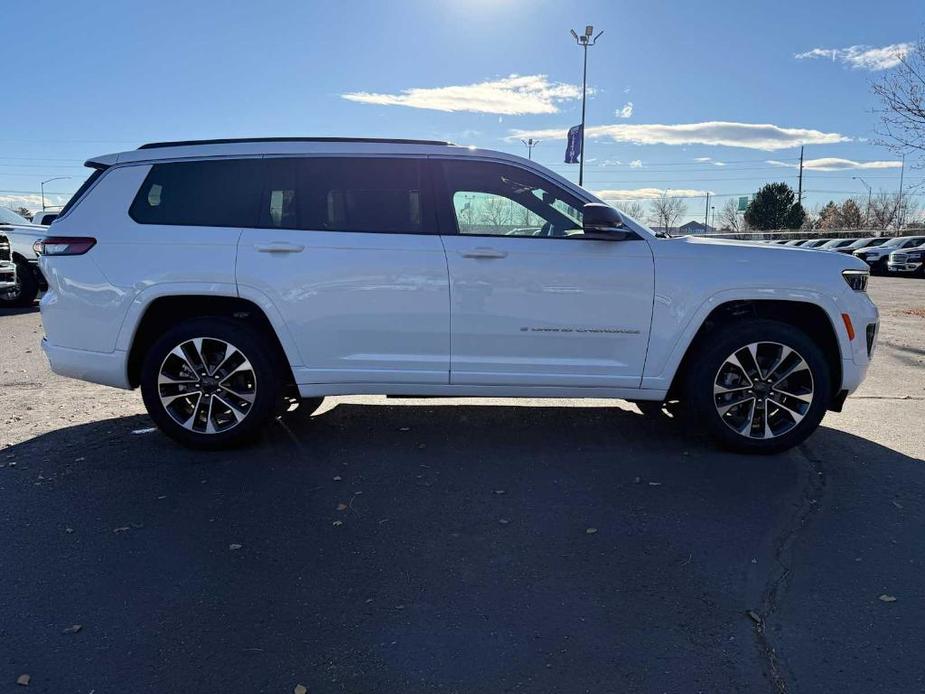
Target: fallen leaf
{"points": [[336, 523], [342, 506], [754, 616], [300, 689], [337, 478], [897, 504], [234, 546], [887, 598], [73, 629], [499, 491], [404, 429], [24, 680], [123, 529], [69, 530], [590, 531], [504, 521], [138, 432]]}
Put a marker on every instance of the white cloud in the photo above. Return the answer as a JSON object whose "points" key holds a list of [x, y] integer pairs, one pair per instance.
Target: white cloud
{"points": [[636, 164], [32, 202], [836, 164], [626, 111], [703, 159], [513, 95], [861, 57], [763, 136], [649, 193]]}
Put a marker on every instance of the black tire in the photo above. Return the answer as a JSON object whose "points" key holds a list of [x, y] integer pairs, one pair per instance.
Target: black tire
{"points": [[710, 358], [267, 382], [27, 288]]}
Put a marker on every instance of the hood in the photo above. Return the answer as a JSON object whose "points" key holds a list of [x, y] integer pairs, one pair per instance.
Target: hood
{"points": [[756, 252]]}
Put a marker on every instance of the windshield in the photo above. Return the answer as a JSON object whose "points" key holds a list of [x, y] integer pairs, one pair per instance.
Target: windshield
{"points": [[10, 217]]}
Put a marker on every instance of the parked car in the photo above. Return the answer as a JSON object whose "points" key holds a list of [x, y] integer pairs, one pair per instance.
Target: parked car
{"points": [[795, 242], [836, 244], [219, 275], [7, 267], [814, 243], [907, 261], [22, 235], [877, 257], [863, 243], [45, 217]]}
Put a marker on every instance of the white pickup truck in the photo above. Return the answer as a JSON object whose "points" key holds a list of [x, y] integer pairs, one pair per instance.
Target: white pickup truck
{"points": [[21, 235]]}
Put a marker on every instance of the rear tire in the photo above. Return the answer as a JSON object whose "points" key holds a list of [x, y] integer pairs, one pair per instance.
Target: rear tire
{"points": [[211, 383], [765, 404], [26, 289]]}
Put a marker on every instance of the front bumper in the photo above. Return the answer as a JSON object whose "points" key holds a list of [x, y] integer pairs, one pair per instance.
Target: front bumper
{"points": [[904, 267], [7, 275]]}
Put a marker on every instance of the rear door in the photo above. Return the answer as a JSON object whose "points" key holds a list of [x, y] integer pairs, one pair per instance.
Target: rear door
{"points": [[346, 249], [534, 302]]}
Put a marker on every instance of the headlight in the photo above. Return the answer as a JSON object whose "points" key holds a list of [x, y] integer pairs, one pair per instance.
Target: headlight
{"points": [[856, 279]]}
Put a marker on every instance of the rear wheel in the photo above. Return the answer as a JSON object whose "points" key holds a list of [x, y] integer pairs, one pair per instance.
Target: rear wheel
{"points": [[210, 383], [25, 290], [760, 387]]}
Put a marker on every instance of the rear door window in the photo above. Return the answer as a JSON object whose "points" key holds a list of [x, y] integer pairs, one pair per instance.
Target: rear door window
{"points": [[380, 195], [218, 193]]}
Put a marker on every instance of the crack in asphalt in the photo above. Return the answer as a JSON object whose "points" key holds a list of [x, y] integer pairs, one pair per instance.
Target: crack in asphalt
{"points": [[778, 579]]}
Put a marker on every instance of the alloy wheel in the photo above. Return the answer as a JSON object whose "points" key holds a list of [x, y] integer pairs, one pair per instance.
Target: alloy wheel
{"points": [[763, 390], [207, 385]]}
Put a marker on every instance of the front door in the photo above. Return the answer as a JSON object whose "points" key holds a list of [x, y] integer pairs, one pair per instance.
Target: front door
{"points": [[347, 251], [533, 302]]}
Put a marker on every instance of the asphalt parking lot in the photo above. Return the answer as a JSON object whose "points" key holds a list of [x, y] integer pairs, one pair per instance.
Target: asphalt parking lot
{"points": [[472, 546]]}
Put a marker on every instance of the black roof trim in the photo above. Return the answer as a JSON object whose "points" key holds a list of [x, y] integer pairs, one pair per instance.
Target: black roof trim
{"points": [[234, 140]]}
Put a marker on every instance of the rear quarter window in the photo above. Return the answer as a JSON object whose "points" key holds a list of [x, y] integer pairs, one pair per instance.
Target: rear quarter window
{"points": [[221, 193]]}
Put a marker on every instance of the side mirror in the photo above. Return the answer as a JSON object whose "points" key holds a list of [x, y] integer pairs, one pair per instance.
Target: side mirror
{"points": [[603, 222]]}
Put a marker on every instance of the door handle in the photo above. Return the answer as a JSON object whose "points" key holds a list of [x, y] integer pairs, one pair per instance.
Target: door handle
{"points": [[279, 247], [483, 252]]}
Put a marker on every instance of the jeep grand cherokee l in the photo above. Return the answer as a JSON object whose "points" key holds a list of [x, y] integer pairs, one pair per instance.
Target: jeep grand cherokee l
{"points": [[219, 275]]}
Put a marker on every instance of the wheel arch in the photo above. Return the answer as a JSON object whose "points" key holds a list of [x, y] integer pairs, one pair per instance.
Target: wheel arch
{"points": [[811, 318], [164, 312]]}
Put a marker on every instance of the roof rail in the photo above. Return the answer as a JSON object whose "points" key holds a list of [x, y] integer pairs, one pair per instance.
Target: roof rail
{"points": [[234, 140]]}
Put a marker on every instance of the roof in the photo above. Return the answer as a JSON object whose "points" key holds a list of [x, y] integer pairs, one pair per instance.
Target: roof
{"points": [[276, 146]]}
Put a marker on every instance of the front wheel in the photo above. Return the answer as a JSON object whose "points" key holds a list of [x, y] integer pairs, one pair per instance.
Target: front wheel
{"points": [[210, 383], [760, 387]]}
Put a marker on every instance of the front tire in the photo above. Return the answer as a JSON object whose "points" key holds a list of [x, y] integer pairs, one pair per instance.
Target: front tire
{"points": [[211, 383], [759, 387]]}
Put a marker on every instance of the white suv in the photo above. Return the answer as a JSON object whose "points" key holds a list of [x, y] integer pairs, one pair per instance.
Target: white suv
{"points": [[220, 275]]}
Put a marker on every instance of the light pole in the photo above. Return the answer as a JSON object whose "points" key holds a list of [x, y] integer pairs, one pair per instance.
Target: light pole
{"points": [[866, 214], [530, 143], [56, 178], [584, 41]]}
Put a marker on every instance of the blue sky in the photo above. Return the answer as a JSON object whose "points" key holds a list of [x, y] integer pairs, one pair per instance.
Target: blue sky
{"points": [[678, 87]]}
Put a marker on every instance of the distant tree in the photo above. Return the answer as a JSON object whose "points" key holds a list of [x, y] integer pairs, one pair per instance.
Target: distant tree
{"points": [[889, 211], [829, 216], [24, 212], [634, 209], [730, 218], [902, 100], [666, 211], [773, 207], [850, 214], [497, 212]]}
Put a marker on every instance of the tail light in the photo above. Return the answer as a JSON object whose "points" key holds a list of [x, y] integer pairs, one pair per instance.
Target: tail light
{"points": [[63, 245]]}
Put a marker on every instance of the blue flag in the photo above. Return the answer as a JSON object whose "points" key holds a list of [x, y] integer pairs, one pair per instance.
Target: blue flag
{"points": [[573, 149]]}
